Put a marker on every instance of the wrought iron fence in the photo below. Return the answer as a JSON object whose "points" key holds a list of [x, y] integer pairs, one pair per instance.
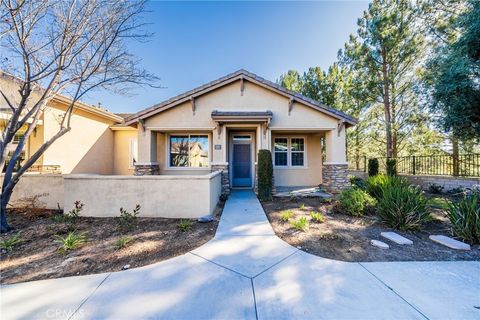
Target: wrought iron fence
{"points": [[465, 165]]}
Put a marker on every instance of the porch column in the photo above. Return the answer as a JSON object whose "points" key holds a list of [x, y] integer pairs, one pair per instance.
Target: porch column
{"points": [[147, 153], [334, 171], [219, 156]]}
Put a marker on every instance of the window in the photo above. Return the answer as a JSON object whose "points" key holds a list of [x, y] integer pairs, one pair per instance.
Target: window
{"points": [[133, 154], [188, 151], [289, 152]]}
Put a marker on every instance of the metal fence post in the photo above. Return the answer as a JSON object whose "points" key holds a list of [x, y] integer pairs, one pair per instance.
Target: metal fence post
{"points": [[364, 163], [414, 163]]}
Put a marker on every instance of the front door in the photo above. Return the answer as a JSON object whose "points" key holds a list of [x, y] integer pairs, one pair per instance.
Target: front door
{"points": [[242, 170]]}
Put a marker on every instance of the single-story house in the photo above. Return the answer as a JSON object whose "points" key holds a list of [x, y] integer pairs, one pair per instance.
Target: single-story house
{"points": [[219, 126]]}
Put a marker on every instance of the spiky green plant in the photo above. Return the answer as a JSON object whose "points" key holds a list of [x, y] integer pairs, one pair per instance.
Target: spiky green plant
{"points": [[464, 216], [185, 225], [286, 215], [11, 242], [122, 242], [301, 224], [317, 217], [72, 241]]}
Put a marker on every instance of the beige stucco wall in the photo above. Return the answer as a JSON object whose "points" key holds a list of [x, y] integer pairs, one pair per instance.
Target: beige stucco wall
{"points": [[311, 173], [50, 186], [121, 151], [86, 148], [189, 196]]}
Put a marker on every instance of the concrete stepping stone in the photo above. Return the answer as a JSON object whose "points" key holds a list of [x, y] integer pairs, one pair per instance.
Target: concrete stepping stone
{"points": [[395, 237], [379, 244], [449, 242]]}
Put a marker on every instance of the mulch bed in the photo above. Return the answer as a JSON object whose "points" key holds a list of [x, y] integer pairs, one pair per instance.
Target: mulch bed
{"points": [[347, 238], [37, 256]]}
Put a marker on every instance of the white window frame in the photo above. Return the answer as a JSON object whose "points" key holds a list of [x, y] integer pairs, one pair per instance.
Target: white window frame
{"points": [[167, 153], [132, 152], [289, 152]]}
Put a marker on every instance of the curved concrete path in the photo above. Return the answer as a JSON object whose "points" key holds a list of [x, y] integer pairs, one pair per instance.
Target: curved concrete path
{"points": [[246, 272]]}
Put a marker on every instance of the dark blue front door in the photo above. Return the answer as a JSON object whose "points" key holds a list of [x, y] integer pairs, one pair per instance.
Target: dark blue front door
{"points": [[242, 171]]}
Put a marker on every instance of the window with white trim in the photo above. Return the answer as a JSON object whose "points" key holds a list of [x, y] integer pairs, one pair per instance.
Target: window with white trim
{"points": [[289, 152], [133, 153], [188, 151]]}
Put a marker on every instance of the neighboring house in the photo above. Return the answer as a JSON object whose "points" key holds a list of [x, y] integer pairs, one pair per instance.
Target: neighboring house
{"points": [[225, 123], [218, 126]]}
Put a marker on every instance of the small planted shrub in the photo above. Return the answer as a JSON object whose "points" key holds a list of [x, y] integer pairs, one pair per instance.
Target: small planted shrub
{"points": [[402, 206], [302, 206], [72, 241], [10, 243], [354, 201], [71, 216], [185, 225], [391, 167], [286, 215], [265, 175], [127, 220], [317, 217], [122, 242], [357, 182], [464, 216], [301, 224], [375, 184], [373, 167], [435, 188]]}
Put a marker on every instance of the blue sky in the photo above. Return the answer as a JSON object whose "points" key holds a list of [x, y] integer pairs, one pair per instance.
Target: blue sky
{"points": [[196, 42]]}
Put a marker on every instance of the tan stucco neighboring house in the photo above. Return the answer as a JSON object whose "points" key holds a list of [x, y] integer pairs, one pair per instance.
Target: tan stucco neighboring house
{"points": [[231, 119], [218, 126]]}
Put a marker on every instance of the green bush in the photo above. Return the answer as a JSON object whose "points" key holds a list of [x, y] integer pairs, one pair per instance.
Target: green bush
{"points": [[122, 242], [71, 242], [11, 242], [464, 215], [286, 215], [357, 182], [374, 184], [391, 167], [265, 175], [373, 167], [402, 206], [185, 225], [317, 217], [354, 201], [72, 216], [301, 224], [127, 220]]}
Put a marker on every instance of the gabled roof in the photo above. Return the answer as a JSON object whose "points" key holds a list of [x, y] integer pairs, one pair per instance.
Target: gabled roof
{"points": [[235, 76]]}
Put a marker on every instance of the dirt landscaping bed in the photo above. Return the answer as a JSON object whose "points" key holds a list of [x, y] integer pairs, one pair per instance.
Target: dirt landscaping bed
{"points": [[151, 240], [347, 238]]}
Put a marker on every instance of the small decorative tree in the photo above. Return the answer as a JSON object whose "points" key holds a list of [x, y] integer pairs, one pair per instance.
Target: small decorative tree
{"points": [[391, 167], [372, 167], [265, 175]]}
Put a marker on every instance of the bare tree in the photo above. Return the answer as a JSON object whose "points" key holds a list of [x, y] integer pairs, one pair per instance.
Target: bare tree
{"points": [[62, 47]]}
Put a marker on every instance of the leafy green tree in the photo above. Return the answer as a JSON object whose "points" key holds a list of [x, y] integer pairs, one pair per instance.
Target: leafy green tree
{"points": [[291, 80], [453, 78]]}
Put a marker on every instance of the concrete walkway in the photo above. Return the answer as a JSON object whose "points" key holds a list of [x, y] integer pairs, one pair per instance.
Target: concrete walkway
{"points": [[246, 272]]}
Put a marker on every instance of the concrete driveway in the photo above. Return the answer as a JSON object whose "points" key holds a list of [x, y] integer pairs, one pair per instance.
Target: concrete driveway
{"points": [[246, 272]]}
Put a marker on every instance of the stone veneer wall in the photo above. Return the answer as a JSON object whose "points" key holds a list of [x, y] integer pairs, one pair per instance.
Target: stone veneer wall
{"points": [[335, 177], [424, 181], [225, 177], [147, 169]]}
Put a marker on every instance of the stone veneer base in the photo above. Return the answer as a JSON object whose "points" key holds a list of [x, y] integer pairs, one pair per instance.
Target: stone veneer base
{"points": [[225, 177], [147, 169], [335, 177]]}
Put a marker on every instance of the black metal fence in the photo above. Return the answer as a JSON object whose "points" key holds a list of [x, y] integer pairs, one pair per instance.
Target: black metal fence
{"points": [[465, 165]]}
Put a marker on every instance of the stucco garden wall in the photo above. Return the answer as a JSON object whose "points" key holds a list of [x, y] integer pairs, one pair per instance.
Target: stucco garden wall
{"points": [[49, 186], [179, 196], [425, 181]]}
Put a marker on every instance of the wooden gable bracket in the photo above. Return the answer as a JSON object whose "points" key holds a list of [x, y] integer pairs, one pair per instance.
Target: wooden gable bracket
{"points": [[290, 105], [192, 100], [340, 127], [242, 86]]}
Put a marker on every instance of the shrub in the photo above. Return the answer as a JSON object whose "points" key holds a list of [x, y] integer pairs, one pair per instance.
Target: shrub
{"points": [[354, 201], [286, 215], [301, 224], [391, 167], [127, 220], [11, 242], [302, 206], [317, 217], [373, 167], [464, 215], [375, 184], [265, 175], [71, 242], [402, 206], [435, 188], [122, 242], [71, 216], [357, 182], [185, 225]]}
